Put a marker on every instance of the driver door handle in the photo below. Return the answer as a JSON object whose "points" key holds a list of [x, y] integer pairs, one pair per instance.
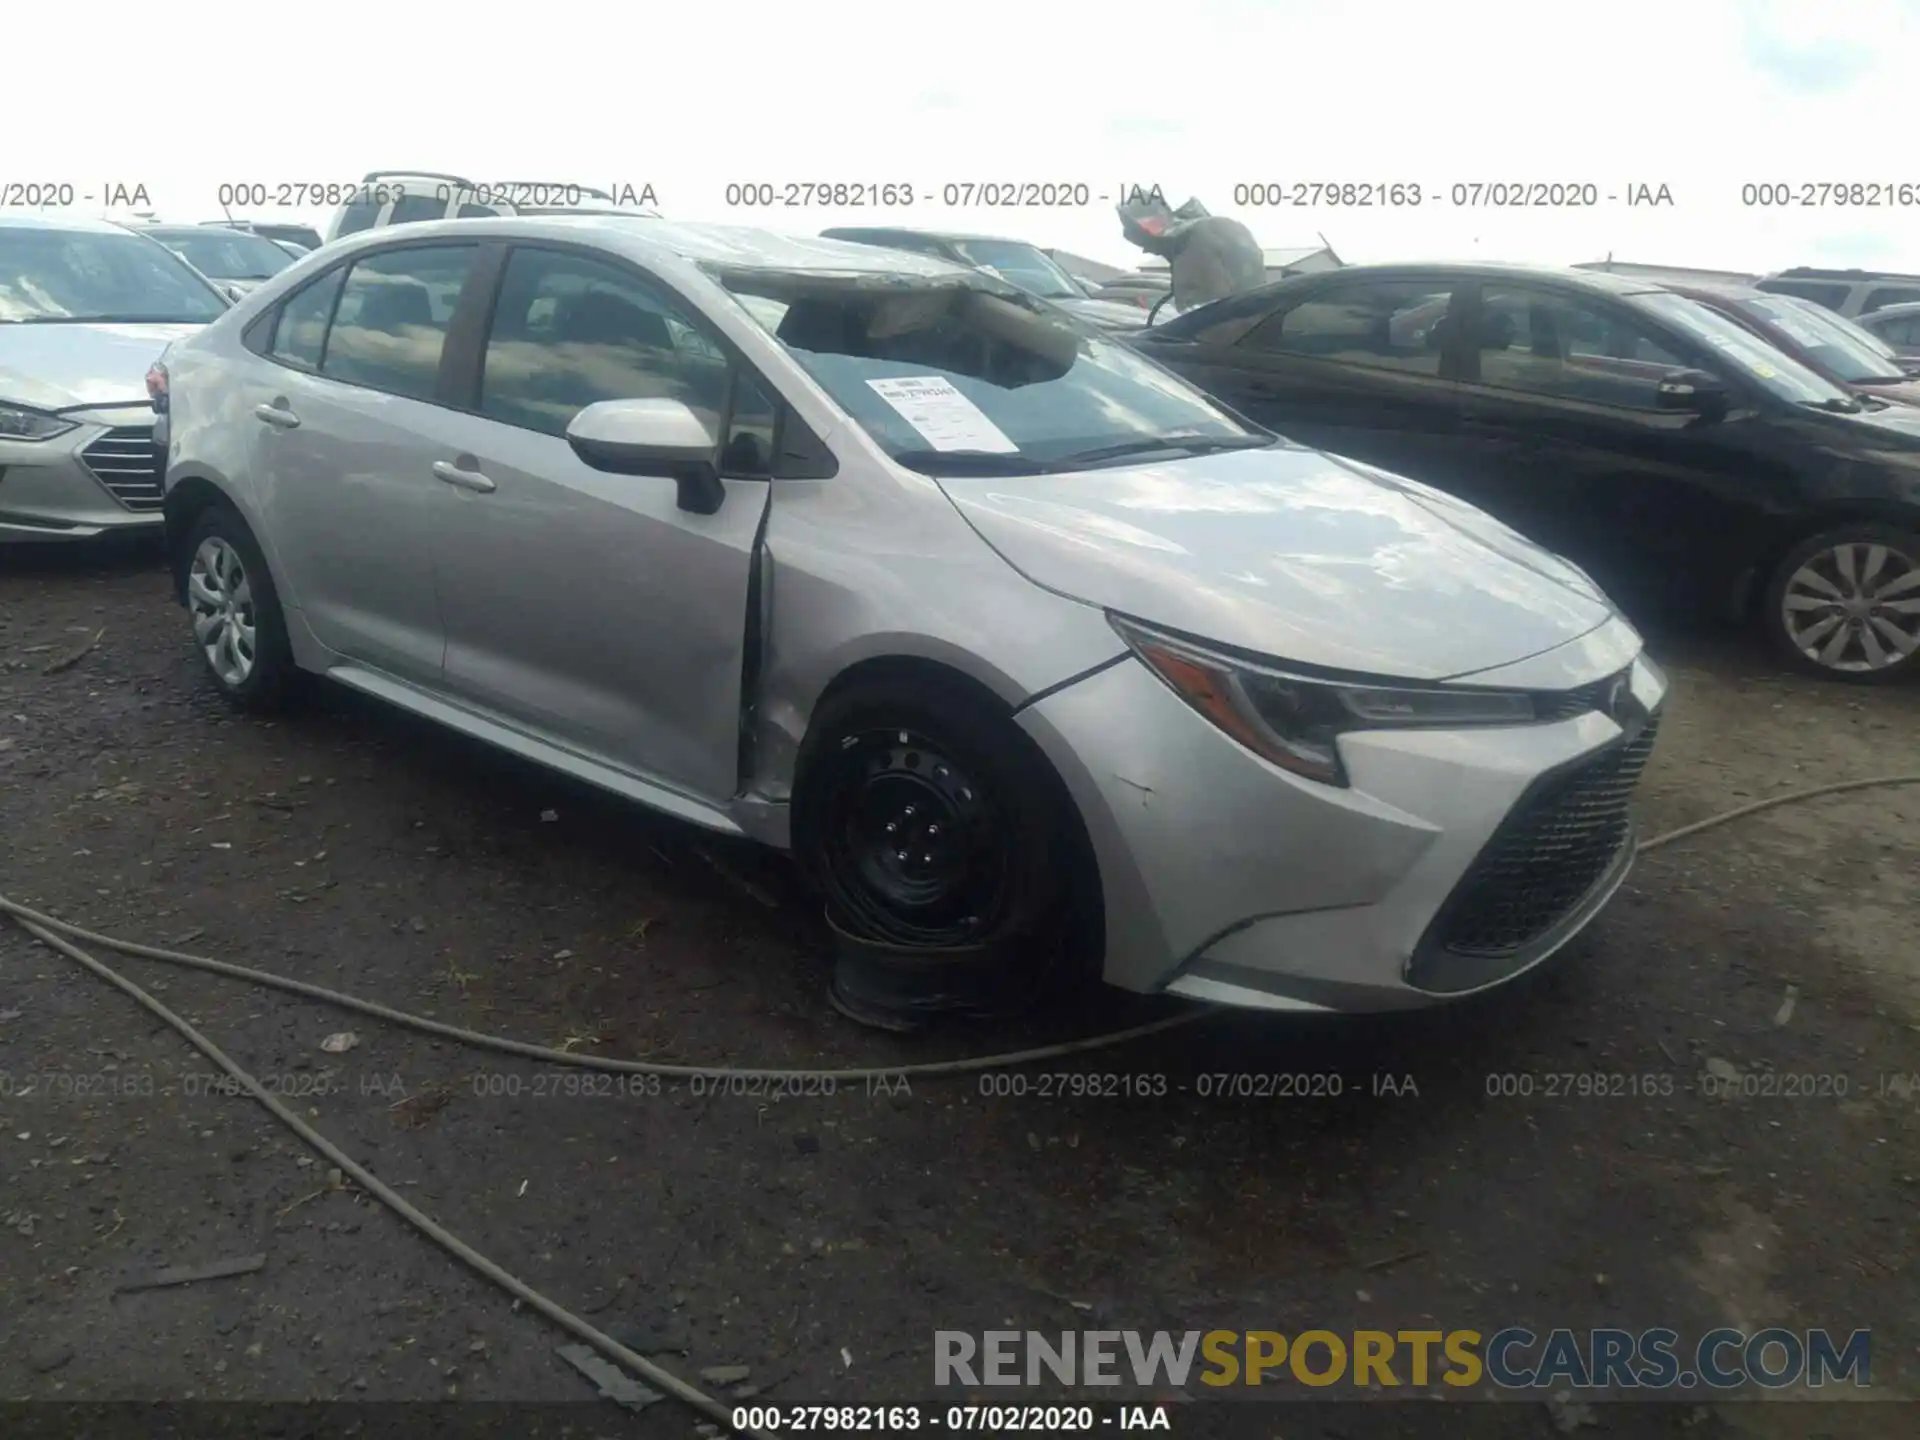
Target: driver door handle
{"points": [[465, 479], [278, 416]]}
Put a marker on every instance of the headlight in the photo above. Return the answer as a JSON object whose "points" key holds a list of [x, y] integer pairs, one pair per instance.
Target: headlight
{"points": [[19, 423], [1294, 720]]}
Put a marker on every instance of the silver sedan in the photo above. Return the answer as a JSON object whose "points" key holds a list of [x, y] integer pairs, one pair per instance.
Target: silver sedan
{"points": [[866, 555]]}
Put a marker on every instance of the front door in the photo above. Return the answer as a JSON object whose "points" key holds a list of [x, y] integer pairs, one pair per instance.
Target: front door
{"points": [[1357, 368], [1560, 402], [585, 608]]}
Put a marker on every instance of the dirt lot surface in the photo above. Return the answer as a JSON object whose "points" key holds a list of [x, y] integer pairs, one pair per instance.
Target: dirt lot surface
{"points": [[820, 1240]]}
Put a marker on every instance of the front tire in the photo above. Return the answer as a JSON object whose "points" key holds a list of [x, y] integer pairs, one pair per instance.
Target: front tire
{"points": [[1845, 604], [929, 820], [238, 627]]}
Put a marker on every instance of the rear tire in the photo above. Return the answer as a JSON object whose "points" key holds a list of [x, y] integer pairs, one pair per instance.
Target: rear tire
{"points": [[238, 627], [1845, 604], [929, 820]]}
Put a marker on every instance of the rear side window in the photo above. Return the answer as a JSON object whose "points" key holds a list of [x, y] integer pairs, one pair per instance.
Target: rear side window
{"points": [[475, 212], [300, 332], [359, 215], [1831, 296], [569, 332], [392, 321], [1888, 295], [1385, 325], [409, 209]]}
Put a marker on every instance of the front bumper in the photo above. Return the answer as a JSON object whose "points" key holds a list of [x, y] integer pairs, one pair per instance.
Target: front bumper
{"points": [[1228, 879], [102, 477]]}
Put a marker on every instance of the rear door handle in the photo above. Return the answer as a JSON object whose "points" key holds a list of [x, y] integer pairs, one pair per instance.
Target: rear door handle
{"points": [[279, 416], [465, 479]]}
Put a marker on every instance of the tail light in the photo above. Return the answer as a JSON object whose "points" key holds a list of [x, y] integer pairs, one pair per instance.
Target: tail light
{"points": [[157, 387]]}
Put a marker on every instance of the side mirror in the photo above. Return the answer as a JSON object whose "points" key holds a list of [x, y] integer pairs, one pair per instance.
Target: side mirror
{"points": [[235, 292], [652, 437], [1693, 391]]}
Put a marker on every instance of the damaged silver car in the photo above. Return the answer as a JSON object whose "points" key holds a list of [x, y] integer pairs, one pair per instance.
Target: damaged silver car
{"points": [[1013, 637]]}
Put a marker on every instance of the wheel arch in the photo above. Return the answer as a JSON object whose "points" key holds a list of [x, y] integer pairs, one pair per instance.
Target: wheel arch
{"points": [[1751, 586], [1087, 895], [188, 498]]}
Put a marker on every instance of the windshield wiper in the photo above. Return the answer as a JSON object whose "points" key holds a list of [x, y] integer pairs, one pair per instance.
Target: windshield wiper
{"points": [[1839, 405], [967, 462], [1161, 444]]}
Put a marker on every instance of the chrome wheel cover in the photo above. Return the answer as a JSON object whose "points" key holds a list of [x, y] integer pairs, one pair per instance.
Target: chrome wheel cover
{"points": [[220, 599], [1854, 607]]}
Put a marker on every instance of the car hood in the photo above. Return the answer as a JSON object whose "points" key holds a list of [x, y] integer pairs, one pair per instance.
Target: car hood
{"points": [[1292, 554], [67, 367]]}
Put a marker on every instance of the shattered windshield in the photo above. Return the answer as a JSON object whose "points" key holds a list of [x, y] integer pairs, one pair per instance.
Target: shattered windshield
{"points": [[956, 376]]}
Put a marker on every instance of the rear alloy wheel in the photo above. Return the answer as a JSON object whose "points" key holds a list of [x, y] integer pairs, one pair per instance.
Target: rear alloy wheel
{"points": [[224, 621], [929, 821], [1846, 604], [237, 625]]}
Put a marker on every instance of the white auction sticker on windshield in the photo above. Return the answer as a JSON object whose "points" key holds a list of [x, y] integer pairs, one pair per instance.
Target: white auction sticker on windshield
{"points": [[947, 419]]}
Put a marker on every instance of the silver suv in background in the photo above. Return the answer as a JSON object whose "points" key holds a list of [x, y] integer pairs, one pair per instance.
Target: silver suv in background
{"points": [[406, 197], [86, 307], [1015, 638]]}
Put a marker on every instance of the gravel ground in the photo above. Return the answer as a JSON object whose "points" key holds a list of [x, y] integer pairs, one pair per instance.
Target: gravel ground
{"points": [[818, 1240]]}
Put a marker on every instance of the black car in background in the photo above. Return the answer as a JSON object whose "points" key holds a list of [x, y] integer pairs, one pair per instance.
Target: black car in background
{"points": [[1661, 445]]}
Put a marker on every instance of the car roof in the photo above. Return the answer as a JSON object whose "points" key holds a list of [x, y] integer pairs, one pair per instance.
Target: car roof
{"points": [[63, 222], [1903, 307], [1597, 281], [924, 233], [644, 237], [187, 230]]}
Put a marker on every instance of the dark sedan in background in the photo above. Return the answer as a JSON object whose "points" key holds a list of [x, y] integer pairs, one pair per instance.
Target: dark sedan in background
{"points": [[1661, 444]]}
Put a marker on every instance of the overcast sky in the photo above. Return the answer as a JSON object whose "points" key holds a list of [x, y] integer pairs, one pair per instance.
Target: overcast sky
{"points": [[1698, 95]]}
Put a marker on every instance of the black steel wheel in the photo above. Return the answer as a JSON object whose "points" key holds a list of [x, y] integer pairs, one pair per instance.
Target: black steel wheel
{"points": [[928, 820]]}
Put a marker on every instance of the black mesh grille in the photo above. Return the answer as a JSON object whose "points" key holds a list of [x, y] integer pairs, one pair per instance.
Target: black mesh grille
{"points": [[1565, 704], [127, 464], [1548, 854]]}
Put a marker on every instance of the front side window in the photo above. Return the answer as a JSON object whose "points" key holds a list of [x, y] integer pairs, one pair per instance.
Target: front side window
{"points": [[392, 321], [569, 332], [50, 277], [1888, 295], [1540, 342], [300, 330], [967, 375], [1383, 325]]}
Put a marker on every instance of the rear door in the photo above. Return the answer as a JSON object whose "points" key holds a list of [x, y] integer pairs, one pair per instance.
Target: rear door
{"points": [[1358, 367], [346, 414], [584, 608]]}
